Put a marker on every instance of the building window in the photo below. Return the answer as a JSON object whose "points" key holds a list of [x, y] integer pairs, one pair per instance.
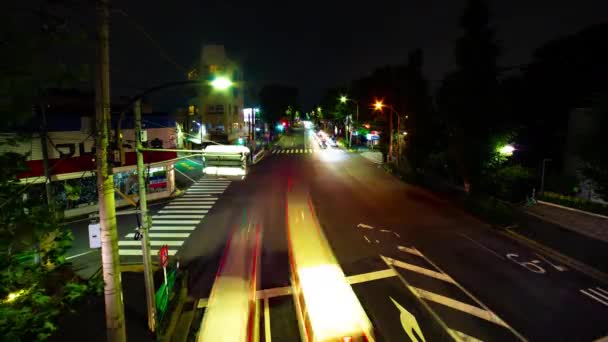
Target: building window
{"points": [[216, 109]]}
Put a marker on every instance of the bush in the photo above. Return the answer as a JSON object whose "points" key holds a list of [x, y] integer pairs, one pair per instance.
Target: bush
{"points": [[575, 202], [489, 209]]}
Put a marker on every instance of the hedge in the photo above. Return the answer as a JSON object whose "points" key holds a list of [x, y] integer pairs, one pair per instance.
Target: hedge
{"points": [[575, 202]]}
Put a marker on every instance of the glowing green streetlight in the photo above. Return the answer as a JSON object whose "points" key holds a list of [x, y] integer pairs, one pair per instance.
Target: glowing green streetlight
{"points": [[343, 99], [506, 150], [221, 83]]}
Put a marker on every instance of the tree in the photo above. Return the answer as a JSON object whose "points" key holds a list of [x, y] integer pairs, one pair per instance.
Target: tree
{"points": [[422, 131], [36, 285], [592, 153], [468, 97], [275, 99]]}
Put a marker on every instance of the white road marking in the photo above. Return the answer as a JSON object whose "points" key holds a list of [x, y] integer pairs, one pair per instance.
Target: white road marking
{"points": [[460, 306], [267, 336], [409, 323], [483, 247], [173, 211], [363, 225], [161, 221], [365, 277], [594, 297], [205, 191], [194, 200], [602, 290], [169, 228], [161, 235], [201, 197], [413, 251], [366, 239], [186, 206], [78, 255], [179, 216], [152, 243], [418, 269], [460, 336], [138, 252]]}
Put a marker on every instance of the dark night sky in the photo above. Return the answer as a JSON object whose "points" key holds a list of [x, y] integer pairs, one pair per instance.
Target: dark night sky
{"points": [[313, 45]]}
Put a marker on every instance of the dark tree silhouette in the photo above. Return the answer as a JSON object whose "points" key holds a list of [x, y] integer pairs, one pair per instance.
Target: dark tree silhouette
{"points": [[468, 96]]}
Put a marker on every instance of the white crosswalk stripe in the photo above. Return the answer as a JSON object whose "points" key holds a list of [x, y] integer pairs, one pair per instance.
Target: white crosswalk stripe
{"points": [[171, 228], [180, 216], [294, 151], [173, 224], [183, 211]]}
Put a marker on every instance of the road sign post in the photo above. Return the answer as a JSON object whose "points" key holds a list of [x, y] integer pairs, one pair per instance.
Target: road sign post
{"points": [[163, 254]]}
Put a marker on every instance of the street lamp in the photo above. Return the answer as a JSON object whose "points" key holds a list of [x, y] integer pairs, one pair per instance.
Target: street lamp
{"points": [[345, 99], [221, 83], [378, 105]]}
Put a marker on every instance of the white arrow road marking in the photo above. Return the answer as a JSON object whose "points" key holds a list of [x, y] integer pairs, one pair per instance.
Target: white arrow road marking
{"points": [[363, 225], [409, 323]]}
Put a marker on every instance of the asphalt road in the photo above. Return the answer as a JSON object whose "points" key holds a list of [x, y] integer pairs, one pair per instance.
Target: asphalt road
{"points": [[412, 259]]}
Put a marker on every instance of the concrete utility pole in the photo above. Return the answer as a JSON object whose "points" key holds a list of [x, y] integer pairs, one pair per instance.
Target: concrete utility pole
{"points": [[45, 157], [115, 315], [145, 221]]}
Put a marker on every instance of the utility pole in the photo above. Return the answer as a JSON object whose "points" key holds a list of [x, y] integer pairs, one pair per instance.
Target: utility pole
{"points": [[45, 157], [390, 134], [114, 308], [542, 177], [145, 220]]}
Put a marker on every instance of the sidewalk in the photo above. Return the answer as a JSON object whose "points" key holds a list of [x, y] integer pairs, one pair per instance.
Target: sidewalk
{"points": [[592, 225], [573, 234]]}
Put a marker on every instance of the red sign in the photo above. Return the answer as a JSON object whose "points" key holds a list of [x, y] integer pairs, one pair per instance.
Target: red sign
{"points": [[163, 253]]}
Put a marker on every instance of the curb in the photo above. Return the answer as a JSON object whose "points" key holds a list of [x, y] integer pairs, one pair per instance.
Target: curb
{"points": [[575, 264], [175, 315]]}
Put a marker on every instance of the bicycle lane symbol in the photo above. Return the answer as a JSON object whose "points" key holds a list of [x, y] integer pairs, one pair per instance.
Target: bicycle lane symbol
{"points": [[534, 265]]}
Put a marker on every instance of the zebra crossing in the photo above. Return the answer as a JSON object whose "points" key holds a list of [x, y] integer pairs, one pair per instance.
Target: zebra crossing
{"points": [[173, 224], [299, 150]]}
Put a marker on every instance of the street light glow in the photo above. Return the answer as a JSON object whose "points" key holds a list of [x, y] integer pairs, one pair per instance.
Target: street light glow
{"points": [[221, 83], [506, 150], [343, 99], [378, 105]]}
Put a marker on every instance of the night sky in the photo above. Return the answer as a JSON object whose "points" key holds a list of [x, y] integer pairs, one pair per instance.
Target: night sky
{"points": [[314, 45]]}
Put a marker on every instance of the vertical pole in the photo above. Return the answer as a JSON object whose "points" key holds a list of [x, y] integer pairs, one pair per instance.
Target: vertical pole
{"points": [[45, 157], [145, 220], [542, 177], [390, 134], [114, 308]]}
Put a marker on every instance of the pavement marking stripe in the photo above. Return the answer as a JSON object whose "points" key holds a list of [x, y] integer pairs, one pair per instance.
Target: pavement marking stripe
{"points": [[460, 336], [593, 297], [599, 293], [169, 228], [420, 270], [365, 277], [152, 243], [413, 251], [460, 306], [191, 197], [267, 336], [602, 290], [162, 221], [178, 206], [138, 252], [172, 211], [209, 186], [160, 235], [179, 216]]}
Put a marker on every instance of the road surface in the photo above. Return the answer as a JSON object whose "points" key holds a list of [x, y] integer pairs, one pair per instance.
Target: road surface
{"points": [[420, 268]]}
